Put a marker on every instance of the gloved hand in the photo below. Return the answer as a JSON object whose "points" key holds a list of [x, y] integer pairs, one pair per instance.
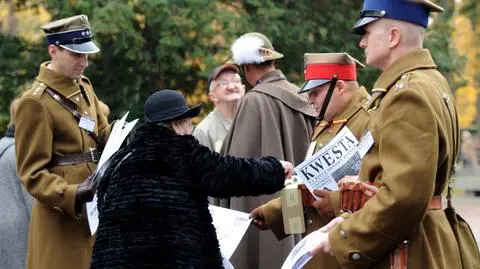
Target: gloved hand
{"points": [[86, 190], [355, 193]]}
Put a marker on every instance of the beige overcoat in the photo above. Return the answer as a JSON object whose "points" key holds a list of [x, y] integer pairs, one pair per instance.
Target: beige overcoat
{"points": [[272, 120], [412, 156], [58, 237]]}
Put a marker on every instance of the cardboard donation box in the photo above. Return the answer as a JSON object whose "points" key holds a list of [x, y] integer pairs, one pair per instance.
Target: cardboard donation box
{"points": [[292, 208]]}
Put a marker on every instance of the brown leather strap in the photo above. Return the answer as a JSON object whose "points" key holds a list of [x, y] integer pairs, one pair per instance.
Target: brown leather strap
{"points": [[75, 158], [399, 256], [435, 203], [70, 106]]}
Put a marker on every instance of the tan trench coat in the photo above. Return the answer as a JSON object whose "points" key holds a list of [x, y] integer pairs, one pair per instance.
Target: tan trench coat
{"points": [[357, 120], [411, 157], [58, 237], [272, 120]]}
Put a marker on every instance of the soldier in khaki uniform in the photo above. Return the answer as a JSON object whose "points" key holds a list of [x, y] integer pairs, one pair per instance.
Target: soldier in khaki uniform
{"points": [[415, 135], [61, 127], [345, 107]]}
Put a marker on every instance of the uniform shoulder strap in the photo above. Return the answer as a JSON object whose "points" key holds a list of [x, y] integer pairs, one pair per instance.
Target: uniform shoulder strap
{"points": [[70, 106]]}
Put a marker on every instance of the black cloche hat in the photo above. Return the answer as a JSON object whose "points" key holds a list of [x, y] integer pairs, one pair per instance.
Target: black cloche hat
{"points": [[168, 105]]}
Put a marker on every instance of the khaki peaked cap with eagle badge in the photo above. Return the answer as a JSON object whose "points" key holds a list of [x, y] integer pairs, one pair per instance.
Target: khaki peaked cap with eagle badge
{"points": [[73, 33], [59, 237]]}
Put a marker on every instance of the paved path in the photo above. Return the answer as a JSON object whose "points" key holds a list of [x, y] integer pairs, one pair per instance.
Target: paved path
{"points": [[468, 206], [465, 202]]}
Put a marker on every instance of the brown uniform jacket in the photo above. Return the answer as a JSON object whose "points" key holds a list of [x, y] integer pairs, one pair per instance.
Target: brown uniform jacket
{"points": [[272, 120], [412, 156], [58, 237], [357, 118]]}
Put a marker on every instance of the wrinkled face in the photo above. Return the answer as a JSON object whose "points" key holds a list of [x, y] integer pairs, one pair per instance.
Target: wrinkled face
{"points": [[227, 88], [316, 98], [70, 64], [375, 44]]}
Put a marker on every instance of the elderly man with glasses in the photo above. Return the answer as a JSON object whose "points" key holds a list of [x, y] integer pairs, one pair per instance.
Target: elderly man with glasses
{"points": [[225, 91]]}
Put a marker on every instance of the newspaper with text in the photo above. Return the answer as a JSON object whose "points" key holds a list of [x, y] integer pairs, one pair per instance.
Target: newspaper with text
{"points": [[339, 158]]}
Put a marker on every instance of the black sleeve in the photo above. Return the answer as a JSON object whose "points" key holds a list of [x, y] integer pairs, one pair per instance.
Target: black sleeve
{"points": [[226, 176]]}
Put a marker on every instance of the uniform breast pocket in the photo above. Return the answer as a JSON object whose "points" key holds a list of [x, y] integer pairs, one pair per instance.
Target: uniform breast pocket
{"points": [[66, 129]]}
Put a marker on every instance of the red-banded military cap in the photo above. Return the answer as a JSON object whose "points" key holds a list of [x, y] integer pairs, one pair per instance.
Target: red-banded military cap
{"points": [[320, 68]]}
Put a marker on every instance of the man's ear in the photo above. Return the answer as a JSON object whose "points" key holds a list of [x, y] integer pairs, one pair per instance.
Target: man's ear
{"points": [[212, 97], [340, 86], [52, 50], [394, 37]]}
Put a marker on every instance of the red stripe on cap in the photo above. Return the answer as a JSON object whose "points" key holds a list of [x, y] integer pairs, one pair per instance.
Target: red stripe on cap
{"points": [[327, 71]]}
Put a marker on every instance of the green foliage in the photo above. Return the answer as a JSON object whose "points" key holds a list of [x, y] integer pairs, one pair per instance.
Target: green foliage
{"points": [[17, 68], [151, 44], [438, 40], [471, 8]]}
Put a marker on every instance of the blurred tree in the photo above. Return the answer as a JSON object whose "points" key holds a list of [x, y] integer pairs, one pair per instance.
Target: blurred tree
{"points": [[466, 38], [151, 44], [470, 9]]}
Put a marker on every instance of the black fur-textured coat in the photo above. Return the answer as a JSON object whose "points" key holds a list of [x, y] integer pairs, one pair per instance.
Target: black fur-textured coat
{"points": [[153, 203]]}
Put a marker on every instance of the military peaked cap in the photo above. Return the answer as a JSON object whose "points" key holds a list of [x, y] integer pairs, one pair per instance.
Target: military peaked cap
{"points": [[71, 33]]}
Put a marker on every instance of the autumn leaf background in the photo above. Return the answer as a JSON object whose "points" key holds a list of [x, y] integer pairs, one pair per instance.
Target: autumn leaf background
{"points": [[153, 44]]}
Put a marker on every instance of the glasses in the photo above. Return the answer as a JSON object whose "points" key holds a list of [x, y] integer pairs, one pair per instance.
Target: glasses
{"points": [[225, 83]]}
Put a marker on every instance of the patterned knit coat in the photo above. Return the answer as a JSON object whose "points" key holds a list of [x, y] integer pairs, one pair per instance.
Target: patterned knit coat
{"points": [[153, 201]]}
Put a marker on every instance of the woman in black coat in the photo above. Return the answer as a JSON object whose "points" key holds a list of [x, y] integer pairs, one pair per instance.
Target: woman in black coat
{"points": [[153, 198]]}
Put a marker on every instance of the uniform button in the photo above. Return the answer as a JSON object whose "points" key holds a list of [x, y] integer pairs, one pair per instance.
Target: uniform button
{"points": [[320, 145], [309, 222], [61, 192], [355, 256], [343, 235]]}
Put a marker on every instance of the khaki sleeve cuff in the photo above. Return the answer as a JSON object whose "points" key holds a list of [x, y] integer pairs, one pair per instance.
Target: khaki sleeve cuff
{"points": [[67, 205], [272, 212], [344, 251]]}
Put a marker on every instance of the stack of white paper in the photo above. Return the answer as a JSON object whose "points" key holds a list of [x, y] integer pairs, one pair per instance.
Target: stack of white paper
{"points": [[300, 254], [119, 132], [230, 226]]}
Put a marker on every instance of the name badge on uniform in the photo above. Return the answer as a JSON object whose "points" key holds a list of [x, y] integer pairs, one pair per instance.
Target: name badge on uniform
{"points": [[87, 123], [365, 143]]}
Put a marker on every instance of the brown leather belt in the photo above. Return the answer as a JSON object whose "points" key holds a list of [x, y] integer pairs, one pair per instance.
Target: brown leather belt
{"points": [[74, 158]]}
